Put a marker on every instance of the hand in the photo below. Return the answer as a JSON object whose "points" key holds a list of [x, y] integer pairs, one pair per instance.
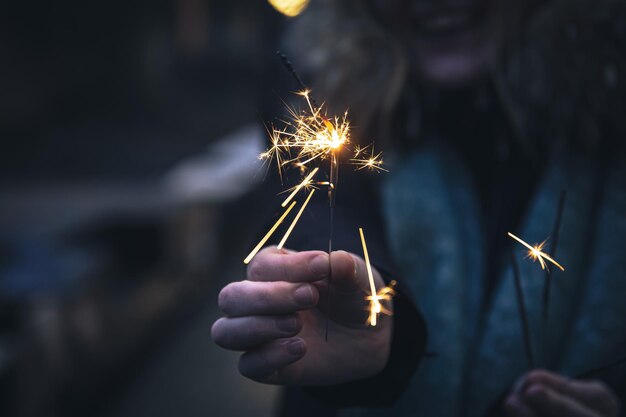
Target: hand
{"points": [[544, 394], [278, 316]]}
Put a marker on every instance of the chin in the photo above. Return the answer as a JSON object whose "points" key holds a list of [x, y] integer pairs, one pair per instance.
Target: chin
{"points": [[453, 63], [453, 71]]}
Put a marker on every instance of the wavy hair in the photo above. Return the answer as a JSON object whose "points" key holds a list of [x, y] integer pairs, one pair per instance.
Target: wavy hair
{"points": [[562, 79]]}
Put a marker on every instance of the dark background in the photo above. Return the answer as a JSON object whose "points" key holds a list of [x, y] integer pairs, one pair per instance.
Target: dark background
{"points": [[108, 272]]}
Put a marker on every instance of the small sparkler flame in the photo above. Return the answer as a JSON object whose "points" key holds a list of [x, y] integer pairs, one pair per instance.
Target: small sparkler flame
{"points": [[536, 253], [375, 297]]}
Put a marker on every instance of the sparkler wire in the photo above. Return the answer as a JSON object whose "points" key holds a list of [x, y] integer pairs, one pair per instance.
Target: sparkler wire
{"points": [[547, 284], [521, 306]]}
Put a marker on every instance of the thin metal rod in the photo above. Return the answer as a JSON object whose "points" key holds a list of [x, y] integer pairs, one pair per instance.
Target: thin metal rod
{"points": [[289, 66], [332, 189], [521, 306], [547, 284]]}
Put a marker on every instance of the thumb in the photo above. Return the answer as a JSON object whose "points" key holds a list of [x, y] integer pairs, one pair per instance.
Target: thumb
{"points": [[349, 273]]}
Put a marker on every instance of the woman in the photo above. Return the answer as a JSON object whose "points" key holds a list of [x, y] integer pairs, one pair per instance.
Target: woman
{"points": [[488, 110]]}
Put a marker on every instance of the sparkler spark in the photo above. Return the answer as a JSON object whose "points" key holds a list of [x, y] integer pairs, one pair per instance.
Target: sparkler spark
{"points": [[536, 253], [375, 298], [295, 220], [305, 183], [372, 160], [268, 235]]}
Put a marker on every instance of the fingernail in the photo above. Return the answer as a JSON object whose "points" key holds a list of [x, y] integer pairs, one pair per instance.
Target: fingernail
{"points": [[295, 347], [303, 295], [288, 324], [319, 266]]}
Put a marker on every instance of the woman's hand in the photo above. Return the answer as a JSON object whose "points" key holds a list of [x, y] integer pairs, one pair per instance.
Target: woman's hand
{"points": [[277, 316], [544, 394]]}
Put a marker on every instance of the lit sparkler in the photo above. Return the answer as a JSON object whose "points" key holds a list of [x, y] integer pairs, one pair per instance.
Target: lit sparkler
{"points": [[307, 138], [375, 297], [536, 253]]}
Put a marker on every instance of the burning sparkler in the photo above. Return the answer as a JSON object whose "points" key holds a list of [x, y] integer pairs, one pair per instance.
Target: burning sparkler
{"points": [[307, 138], [375, 297], [536, 253]]}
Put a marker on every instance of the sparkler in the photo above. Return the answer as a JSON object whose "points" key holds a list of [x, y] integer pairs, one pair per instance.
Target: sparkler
{"points": [[536, 253], [307, 138], [375, 297]]}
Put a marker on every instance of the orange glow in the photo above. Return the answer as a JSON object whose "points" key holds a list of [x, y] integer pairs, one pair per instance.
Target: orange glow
{"points": [[289, 8]]}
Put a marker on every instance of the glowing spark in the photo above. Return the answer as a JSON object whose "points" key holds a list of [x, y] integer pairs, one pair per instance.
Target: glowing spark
{"points": [[536, 253], [268, 235], [385, 294], [289, 8], [305, 183], [295, 220], [372, 161], [375, 298]]}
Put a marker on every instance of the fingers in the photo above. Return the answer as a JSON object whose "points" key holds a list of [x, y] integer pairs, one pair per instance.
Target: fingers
{"points": [[272, 264], [261, 363], [515, 407], [244, 333], [548, 402], [594, 394], [245, 298], [349, 272]]}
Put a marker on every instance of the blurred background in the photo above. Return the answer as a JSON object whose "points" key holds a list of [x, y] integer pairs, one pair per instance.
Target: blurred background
{"points": [[126, 183]]}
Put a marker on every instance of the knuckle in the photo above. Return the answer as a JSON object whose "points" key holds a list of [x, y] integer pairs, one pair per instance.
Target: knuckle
{"points": [[265, 297]]}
